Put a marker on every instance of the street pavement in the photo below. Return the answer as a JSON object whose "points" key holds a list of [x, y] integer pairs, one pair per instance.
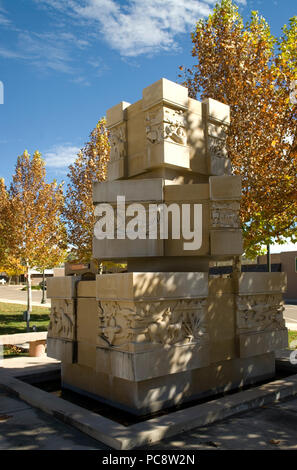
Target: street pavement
{"points": [[14, 294], [290, 315]]}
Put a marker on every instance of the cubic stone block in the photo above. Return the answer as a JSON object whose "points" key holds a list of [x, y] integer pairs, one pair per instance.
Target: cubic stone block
{"points": [[116, 114], [151, 324], [153, 286], [61, 350], [226, 242], [61, 287], [151, 364], [254, 344], [149, 190], [258, 283], [217, 111], [225, 187], [164, 90], [215, 214]]}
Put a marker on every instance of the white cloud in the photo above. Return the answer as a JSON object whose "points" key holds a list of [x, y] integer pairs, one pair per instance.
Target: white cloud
{"points": [[8, 53], [52, 50], [4, 21], [137, 27], [61, 156], [131, 27], [46, 50]]}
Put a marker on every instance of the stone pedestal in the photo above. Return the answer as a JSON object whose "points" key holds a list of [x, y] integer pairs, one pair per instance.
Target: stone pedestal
{"points": [[145, 341], [166, 332]]}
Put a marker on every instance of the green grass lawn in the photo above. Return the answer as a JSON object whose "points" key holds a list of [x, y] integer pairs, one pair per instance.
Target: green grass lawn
{"points": [[292, 337], [11, 322], [11, 318]]}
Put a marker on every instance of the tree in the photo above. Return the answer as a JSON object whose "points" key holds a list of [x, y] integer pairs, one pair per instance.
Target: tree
{"points": [[37, 233], [90, 166], [3, 215], [246, 67], [8, 262]]}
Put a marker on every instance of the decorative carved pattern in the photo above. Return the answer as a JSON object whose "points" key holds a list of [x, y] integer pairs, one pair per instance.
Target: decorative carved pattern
{"points": [[117, 138], [166, 124], [113, 326], [155, 134], [220, 132], [260, 312], [159, 322], [62, 320], [225, 214], [217, 147]]}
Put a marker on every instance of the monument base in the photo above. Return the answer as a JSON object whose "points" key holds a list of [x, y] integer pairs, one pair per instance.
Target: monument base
{"points": [[152, 395], [147, 341]]}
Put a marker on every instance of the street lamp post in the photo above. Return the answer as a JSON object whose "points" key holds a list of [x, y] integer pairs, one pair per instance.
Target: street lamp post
{"points": [[43, 300]]}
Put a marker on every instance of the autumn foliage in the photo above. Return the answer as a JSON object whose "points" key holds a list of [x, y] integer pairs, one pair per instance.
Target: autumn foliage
{"points": [[90, 166], [32, 232], [246, 67]]}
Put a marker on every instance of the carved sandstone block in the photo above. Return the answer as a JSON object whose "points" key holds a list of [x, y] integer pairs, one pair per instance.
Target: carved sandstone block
{"points": [[149, 190], [62, 326], [258, 283], [217, 112], [62, 319], [164, 91], [61, 349], [151, 286], [116, 114], [255, 344], [226, 242], [225, 188], [143, 316], [61, 287], [260, 324]]}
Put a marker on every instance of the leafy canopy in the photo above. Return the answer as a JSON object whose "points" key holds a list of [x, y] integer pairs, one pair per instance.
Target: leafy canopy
{"points": [[246, 67]]}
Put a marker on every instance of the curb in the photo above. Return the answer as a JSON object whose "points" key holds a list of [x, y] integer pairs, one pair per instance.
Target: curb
{"points": [[120, 437]]}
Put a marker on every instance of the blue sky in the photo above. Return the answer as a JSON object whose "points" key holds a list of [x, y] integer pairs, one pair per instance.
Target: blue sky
{"points": [[64, 62]]}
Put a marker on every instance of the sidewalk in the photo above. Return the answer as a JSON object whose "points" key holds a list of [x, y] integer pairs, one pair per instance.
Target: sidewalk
{"points": [[37, 304], [23, 427]]}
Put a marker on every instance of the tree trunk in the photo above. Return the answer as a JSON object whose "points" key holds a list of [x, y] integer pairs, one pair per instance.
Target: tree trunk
{"points": [[29, 291], [29, 298], [43, 288], [268, 259]]}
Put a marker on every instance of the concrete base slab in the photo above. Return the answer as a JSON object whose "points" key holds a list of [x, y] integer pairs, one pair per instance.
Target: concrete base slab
{"points": [[153, 430], [26, 428], [21, 366]]}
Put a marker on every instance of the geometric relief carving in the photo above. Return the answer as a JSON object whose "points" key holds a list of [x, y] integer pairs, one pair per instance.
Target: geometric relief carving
{"points": [[217, 147], [260, 312], [62, 319], [219, 131], [117, 139], [166, 124], [217, 143], [225, 214], [165, 322]]}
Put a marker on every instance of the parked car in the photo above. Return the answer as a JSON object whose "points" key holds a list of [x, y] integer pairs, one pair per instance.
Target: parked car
{"points": [[3, 281]]}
